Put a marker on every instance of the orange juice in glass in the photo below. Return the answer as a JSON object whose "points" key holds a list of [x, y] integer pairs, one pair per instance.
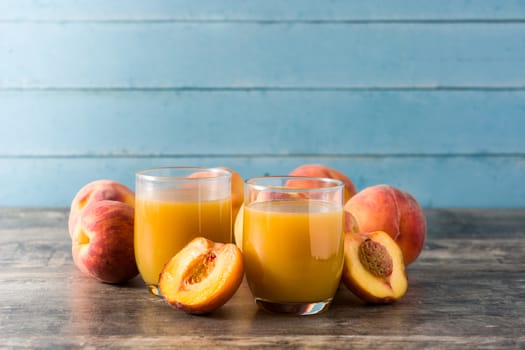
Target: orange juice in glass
{"points": [[174, 205], [293, 242]]}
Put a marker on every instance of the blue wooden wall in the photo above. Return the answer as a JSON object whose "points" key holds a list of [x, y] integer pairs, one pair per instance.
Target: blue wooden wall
{"points": [[428, 96]]}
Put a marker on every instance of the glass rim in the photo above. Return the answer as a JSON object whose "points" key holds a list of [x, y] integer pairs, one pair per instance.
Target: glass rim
{"points": [[146, 173], [337, 184]]}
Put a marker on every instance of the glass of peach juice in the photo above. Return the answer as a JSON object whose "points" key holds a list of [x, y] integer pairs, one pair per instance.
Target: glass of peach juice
{"points": [[293, 242], [173, 205]]}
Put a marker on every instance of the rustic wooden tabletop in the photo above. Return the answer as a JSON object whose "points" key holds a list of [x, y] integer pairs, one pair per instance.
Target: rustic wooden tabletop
{"points": [[467, 290]]}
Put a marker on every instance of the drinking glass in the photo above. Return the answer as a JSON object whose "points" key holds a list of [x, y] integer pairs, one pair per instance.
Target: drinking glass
{"points": [[173, 205], [293, 242]]}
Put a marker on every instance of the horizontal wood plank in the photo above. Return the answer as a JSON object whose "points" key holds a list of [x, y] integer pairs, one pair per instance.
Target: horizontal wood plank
{"points": [[465, 291], [282, 341], [252, 123], [415, 93], [261, 55], [276, 10], [463, 223], [435, 181], [469, 223]]}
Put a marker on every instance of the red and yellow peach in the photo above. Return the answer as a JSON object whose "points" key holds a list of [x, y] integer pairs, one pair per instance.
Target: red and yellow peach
{"points": [[96, 191], [389, 209], [320, 170], [102, 241]]}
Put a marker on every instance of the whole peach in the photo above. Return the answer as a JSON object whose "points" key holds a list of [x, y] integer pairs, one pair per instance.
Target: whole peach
{"points": [[320, 170], [389, 209], [96, 191], [102, 242], [237, 187], [237, 191]]}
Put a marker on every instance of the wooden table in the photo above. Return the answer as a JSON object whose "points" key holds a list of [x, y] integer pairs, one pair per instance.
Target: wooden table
{"points": [[467, 290]]}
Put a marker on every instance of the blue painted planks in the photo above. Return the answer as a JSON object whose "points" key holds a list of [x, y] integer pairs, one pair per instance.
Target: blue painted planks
{"points": [[218, 123], [255, 55], [261, 10], [424, 95], [448, 181]]}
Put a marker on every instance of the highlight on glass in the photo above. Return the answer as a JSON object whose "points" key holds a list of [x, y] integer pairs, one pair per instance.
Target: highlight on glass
{"points": [[173, 205], [293, 242]]}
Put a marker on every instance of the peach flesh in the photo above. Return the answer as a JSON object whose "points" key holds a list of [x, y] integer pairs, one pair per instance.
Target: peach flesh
{"points": [[365, 282], [202, 276], [392, 210]]}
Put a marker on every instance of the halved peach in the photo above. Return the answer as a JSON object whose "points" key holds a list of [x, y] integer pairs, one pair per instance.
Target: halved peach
{"points": [[202, 276], [373, 267], [387, 208]]}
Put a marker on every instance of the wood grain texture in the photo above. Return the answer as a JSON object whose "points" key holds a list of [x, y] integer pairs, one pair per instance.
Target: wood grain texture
{"points": [[465, 291], [250, 55], [424, 95], [435, 182], [184, 123], [270, 10]]}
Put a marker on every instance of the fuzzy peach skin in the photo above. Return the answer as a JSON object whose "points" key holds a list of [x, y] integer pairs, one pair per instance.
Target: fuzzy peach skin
{"points": [[96, 191], [102, 242], [389, 209], [237, 192], [320, 170]]}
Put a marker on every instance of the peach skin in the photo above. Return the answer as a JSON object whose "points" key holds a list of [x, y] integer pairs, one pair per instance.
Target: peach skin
{"points": [[102, 242], [386, 208], [96, 191], [320, 170]]}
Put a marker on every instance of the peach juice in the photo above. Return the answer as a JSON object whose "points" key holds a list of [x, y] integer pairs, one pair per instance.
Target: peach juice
{"points": [[293, 250], [163, 228], [293, 243], [172, 207]]}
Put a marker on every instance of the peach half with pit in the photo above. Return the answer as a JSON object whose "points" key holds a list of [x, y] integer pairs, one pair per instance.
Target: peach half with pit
{"points": [[389, 209], [94, 191], [320, 170], [202, 276], [102, 241], [373, 267]]}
